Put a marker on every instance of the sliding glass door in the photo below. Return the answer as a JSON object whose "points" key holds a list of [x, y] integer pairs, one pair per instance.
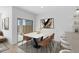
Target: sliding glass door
{"points": [[24, 26], [27, 26]]}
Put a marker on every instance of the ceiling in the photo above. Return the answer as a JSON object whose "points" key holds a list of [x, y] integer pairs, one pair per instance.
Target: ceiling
{"points": [[40, 9], [37, 9]]}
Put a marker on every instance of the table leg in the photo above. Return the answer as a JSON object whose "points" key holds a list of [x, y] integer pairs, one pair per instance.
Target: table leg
{"points": [[36, 44]]}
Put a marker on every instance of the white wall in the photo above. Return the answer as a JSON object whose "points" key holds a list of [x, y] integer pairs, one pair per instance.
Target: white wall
{"points": [[13, 13], [63, 19], [19, 13], [6, 12]]}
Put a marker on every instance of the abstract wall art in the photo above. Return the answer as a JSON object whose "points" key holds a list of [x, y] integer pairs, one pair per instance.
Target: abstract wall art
{"points": [[47, 23], [6, 23]]}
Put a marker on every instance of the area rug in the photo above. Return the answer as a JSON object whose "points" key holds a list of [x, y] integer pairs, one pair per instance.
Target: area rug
{"points": [[28, 48], [3, 47], [31, 49]]}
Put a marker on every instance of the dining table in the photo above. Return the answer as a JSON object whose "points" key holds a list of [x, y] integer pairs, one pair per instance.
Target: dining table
{"points": [[35, 36]]}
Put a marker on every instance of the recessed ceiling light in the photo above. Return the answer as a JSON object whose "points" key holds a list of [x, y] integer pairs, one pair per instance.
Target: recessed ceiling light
{"points": [[42, 7]]}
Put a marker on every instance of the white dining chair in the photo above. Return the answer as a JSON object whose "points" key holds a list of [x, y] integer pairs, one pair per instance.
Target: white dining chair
{"points": [[65, 51], [64, 42]]}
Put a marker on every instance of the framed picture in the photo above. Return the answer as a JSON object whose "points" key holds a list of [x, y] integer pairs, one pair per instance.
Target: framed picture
{"points": [[2, 23], [6, 23], [47, 23]]}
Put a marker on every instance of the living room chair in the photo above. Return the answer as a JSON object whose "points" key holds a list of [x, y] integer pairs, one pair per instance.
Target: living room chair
{"points": [[2, 38]]}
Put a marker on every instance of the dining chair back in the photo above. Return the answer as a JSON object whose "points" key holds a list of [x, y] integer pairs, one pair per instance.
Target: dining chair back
{"points": [[51, 37], [47, 42], [44, 42], [26, 38]]}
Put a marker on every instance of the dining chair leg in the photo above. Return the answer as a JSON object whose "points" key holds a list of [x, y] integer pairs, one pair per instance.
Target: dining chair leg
{"points": [[26, 46], [22, 42], [41, 49], [30, 47], [55, 46], [36, 50], [46, 49], [50, 48]]}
